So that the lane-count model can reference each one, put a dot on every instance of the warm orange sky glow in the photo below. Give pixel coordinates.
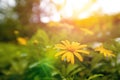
(73, 9)
(78, 9)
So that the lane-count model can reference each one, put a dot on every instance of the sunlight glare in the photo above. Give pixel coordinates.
(58, 1)
(109, 6)
(77, 9)
(45, 19)
(71, 7)
(83, 15)
(84, 8)
(55, 17)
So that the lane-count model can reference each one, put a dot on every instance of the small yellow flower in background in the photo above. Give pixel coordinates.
(105, 52)
(22, 41)
(69, 50)
(16, 32)
(35, 42)
(87, 31)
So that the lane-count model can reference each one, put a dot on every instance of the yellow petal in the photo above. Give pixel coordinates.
(59, 53)
(63, 56)
(112, 55)
(102, 51)
(75, 44)
(66, 42)
(60, 46)
(109, 53)
(68, 56)
(83, 51)
(78, 56)
(99, 48)
(72, 58)
(82, 46)
(105, 54)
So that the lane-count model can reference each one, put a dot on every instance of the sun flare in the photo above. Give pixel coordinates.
(56, 10)
(74, 8)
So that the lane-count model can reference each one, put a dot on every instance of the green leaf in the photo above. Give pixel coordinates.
(39, 71)
(95, 76)
(96, 59)
(76, 71)
(71, 68)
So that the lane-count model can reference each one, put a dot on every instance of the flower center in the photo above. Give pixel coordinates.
(71, 49)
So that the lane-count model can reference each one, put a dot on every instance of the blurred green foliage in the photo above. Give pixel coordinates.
(36, 61)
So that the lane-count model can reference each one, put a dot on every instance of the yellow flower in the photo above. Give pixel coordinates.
(87, 31)
(22, 41)
(69, 50)
(105, 52)
(16, 32)
(35, 42)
